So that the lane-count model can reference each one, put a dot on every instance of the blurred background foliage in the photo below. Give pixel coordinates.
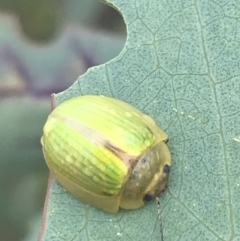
(41, 20)
(44, 46)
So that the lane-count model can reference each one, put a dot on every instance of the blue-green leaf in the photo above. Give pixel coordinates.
(181, 65)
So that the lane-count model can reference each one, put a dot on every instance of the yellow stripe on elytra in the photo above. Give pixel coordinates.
(126, 129)
(108, 172)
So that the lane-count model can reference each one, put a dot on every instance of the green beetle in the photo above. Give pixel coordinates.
(106, 153)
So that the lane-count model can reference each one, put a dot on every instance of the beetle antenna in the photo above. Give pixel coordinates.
(159, 218)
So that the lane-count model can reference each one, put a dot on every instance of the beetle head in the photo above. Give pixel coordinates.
(148, 178)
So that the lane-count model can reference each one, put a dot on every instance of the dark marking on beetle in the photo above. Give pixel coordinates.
(134, 175)
(97, 138)
(149, 129)
(107, 194)
(133, 162)
(148, 197)
(166, 169)
(144, 159)
(128, 159)
(115, 150)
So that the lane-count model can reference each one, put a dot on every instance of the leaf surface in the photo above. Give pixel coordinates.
(180, 65)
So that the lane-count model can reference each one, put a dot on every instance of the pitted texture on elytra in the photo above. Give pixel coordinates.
(124, 128)
(75, 158)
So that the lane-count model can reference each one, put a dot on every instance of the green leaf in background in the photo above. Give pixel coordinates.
(181, 65)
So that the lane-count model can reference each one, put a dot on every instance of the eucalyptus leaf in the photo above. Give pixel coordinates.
(180, 64)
